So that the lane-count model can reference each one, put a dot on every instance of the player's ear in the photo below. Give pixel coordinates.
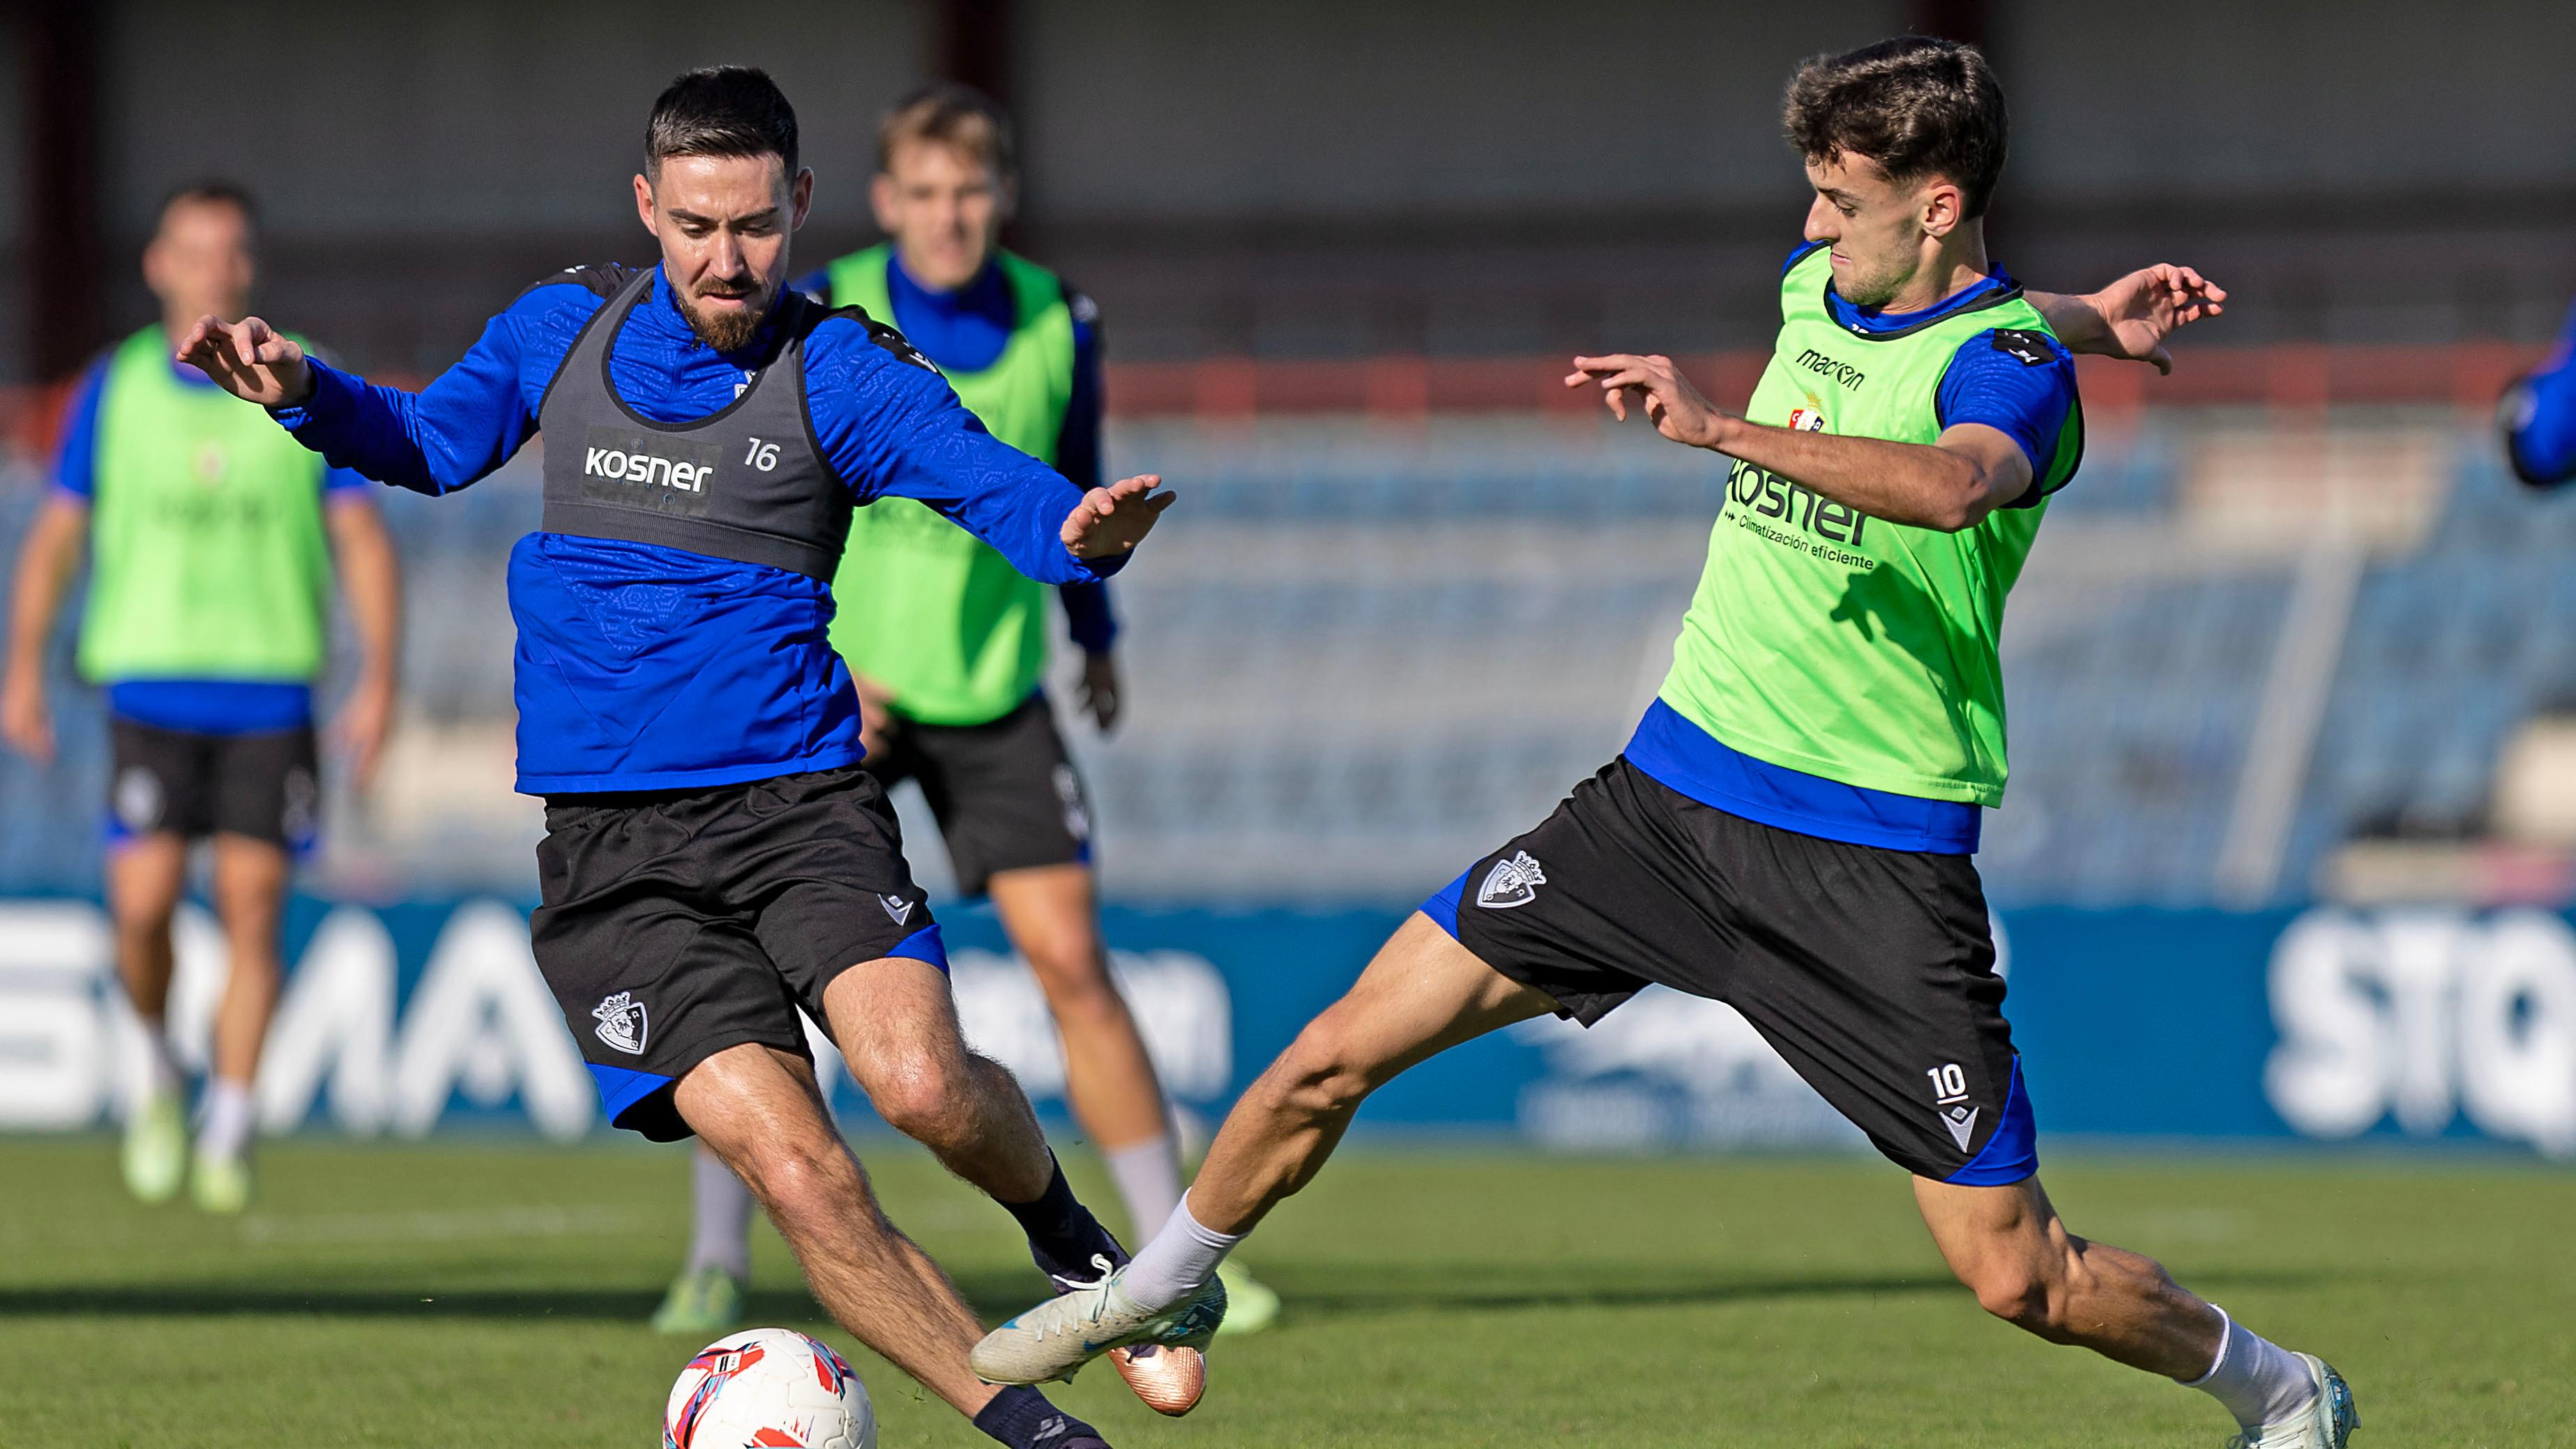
(1943, 209)
(800, 198)
(644, 203)
(1006, 198)
(883, 199)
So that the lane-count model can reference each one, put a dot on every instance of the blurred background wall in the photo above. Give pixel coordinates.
(1328, 179)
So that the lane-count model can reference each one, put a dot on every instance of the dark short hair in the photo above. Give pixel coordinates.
(949, 114)
(1918, 107)
(210, 191)
(723, 110)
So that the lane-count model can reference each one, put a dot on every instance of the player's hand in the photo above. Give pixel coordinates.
(2142, 309)
(1652, 383)
(1109, 521)
(876, 713)
(1100, 689)
(359, 733)
(24, 718)
(249, 359)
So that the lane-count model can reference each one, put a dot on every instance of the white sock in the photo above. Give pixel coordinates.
(2258, 1381)
(1178, 1263)
(1149, 1180)
(722, 1208)
(225, 1122)
(160, 1069)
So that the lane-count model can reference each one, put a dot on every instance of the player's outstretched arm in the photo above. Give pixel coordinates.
(467, 422)
(2131, 318)
(889, 425)
(1949, 485)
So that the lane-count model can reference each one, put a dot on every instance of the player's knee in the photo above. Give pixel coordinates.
(918, 1093)
(1070, 971)
(1321, 1075)
(797, 1182)
(2021, 1295)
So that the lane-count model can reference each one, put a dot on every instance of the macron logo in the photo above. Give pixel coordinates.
(647, 469)
(652, 471)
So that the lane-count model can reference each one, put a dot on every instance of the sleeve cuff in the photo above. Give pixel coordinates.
(331, 389)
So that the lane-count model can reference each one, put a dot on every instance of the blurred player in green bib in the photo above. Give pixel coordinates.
(1791, 829)
(947, 643)
(212, 537)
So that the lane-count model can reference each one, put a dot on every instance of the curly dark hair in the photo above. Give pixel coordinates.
(1915, 106)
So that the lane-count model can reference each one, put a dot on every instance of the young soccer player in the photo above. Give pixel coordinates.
(947, 644)
(1790, 829)
(213, 541)
(714, 858)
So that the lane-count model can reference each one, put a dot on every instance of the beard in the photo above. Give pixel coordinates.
(730, 329)
(1875, 286)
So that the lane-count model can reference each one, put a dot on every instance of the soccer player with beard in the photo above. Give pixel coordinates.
(715, 858)
(947, 643)
(1791, 828)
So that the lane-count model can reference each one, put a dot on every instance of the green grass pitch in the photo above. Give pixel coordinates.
(486, 1294)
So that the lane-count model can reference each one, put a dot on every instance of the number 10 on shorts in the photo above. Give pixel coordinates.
(1949, 1083)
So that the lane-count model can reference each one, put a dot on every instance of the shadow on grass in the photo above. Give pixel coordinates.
(994, 1296)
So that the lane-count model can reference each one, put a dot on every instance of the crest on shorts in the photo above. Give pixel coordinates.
(1510, 883)
(621, 1022)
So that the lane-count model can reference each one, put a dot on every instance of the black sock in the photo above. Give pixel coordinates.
(1063, 1235)
(1023, 1419)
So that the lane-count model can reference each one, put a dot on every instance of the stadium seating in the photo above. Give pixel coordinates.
(1364, 653)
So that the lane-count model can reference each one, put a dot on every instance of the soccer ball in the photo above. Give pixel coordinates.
(768, 1388)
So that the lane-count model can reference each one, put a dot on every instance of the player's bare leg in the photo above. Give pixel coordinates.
(758, 1109)
(250, 899)
(2008, 1245)
(1423, 994)
(145, 876)
(897, 1027)
(1050, 914)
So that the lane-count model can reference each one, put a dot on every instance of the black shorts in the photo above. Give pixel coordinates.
(265, 786)
(1870, 971)
(678, 923)
(1005, 793)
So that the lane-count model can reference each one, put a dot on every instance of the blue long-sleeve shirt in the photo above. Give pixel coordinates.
(966, 331)
(640, 667)
(2540, 416)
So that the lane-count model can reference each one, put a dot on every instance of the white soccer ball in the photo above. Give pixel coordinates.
(768, 1388)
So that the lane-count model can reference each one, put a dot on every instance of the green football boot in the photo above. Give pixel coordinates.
(221, 1185)
(1250, 1304)
(155, 1157)
(702, 1303)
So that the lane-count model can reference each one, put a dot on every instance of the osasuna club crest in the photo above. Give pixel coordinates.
(1510, 883)
(621, 1022)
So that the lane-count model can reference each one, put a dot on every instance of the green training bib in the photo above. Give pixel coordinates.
(927, 609)
(1847, 646)
(208, 558)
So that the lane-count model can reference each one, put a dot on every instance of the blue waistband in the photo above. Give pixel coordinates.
(1679, 754)
(213, 706)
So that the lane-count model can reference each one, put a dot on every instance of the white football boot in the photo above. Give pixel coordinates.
(1059, 1336)
(2326, 1423)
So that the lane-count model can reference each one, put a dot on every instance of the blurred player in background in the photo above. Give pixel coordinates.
(212, 539)
(947, 643)
(715, 860)
(2539, 416)
(1791, 830)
